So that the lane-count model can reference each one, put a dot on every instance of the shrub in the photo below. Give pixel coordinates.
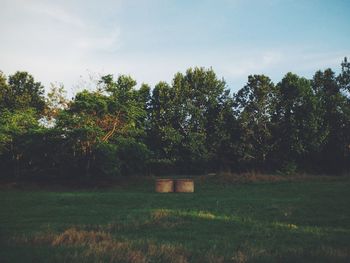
(132, 155)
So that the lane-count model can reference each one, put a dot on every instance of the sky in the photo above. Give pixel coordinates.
(74, 42)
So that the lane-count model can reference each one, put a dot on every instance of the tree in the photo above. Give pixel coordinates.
(15, 127)
(21, 93)
(21, 103)
(335, 120)
(143, 99)
(187, 118)
(95, 120)
(163, 137)
(344, 76)
(192, 125)
(299, 132)
(56, 101)
(204, 101)
(255, 105)
(4, 90)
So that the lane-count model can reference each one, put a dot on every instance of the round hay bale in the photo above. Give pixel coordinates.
(164, 185)
(184, 186)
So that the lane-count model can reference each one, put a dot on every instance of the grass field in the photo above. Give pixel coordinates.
(302, 221)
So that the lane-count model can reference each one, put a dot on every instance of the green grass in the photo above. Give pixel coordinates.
(257, 222)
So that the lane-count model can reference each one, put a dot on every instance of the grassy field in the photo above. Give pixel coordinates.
(301, 221)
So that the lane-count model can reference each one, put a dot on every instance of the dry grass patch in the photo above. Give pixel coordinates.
(254, 177)
(99, 246)
(115, 251)
(331, 253)
(70, 237)
(137, 253)
(73, 236)
(167, 252)
(240, 257)
(210, 257)
(128, 251)
(159, 214)
(328, 254)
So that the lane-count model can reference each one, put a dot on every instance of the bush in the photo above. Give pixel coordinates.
(106, 161)
(132, 155)
(125, 156)
(288, 168)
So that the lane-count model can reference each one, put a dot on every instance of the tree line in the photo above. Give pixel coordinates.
(194, 125)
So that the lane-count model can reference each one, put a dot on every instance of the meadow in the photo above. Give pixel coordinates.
(225, 220)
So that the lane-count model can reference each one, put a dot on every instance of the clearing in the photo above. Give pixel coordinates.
(301, 221)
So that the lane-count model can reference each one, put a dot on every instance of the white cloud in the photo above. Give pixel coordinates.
(57, 13)
(109, 41)
(51, 40)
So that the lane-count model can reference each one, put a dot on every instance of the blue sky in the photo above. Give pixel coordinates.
(75, 41)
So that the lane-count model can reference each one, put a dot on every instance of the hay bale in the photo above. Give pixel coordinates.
(184, 186)
(164, 185)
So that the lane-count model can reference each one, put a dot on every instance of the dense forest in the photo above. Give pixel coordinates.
(194, 125)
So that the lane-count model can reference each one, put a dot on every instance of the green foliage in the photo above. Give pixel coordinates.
(344, 77)
(132, 156)
(125, 156)
(255, 105)
(187, 118)
(193, 125)
(335, 120)
(21, 92)
(14, 125)
(106, 160)
(288, 167)
(16, 131)
(91, 103)
(297, 120)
